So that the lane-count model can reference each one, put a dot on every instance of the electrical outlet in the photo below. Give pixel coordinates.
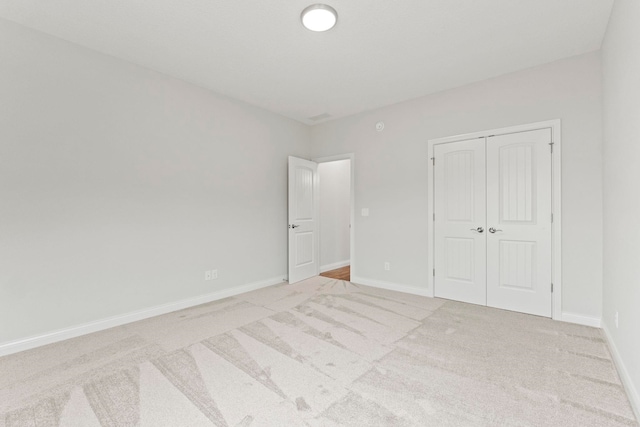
(616, 319)
(214, 274)
(207, 275)
(387, 266)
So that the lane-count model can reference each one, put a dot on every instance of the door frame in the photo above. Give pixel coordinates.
(352, 202)
(556, 205)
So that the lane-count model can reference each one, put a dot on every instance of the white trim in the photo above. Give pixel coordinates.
(556, 239)
(345, 156)
(352, 232)
(407, 289)
(333, 266)
(580, 319)
(22, 344)
(632, 391)
(556, 227)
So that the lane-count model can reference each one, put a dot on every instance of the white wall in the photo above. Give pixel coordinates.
(120, 186)
(621, 70)
(391, 173)
(335, 213)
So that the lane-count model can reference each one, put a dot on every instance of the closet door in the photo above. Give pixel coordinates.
(519, 222)
(460, 218)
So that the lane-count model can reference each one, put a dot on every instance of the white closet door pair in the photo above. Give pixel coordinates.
(493, 221)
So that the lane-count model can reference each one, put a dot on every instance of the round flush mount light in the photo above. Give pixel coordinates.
(319, 17)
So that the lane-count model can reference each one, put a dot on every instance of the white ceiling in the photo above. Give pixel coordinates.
(380, 52)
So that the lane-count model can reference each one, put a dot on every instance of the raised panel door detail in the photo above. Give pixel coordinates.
(303, 219)
(519, 222)
(517, 264)
(459, 173)
(517, 183)
(304, 248)
(460, 208)
(304, 193)
(459, 259)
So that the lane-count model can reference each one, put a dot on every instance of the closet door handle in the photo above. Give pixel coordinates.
(478, 230)
(493, 230)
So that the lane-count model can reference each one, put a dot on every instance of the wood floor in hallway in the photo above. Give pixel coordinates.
(343, 273)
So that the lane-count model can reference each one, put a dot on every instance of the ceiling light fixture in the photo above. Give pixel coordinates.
(319, 17)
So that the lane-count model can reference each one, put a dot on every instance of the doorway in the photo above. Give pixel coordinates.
(492, 235)
(335, 218)
(321, 213)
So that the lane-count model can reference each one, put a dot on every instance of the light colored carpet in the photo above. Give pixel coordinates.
(321, 352)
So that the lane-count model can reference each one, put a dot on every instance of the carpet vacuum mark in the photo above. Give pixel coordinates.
(322, 352)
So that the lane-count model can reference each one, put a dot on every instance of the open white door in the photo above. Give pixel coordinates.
(304, 245)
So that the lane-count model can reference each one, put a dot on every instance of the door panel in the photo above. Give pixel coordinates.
(459, 257)
(519, 209)
(460, 197)
(303, 219)
(304, 248)
(304, 192)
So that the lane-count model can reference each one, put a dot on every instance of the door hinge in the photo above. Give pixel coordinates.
(434, 272)
(434, 216)
(551, 287)
(433, 161)
(551, 145)
(551, 216)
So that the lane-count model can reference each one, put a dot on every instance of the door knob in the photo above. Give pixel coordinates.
(479, 229)
(493, 230)
(294, 226)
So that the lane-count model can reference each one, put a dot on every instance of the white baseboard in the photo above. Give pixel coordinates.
(630, 387)
(333, 266)
(391, 286)
(16, 346)
(580, 319)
